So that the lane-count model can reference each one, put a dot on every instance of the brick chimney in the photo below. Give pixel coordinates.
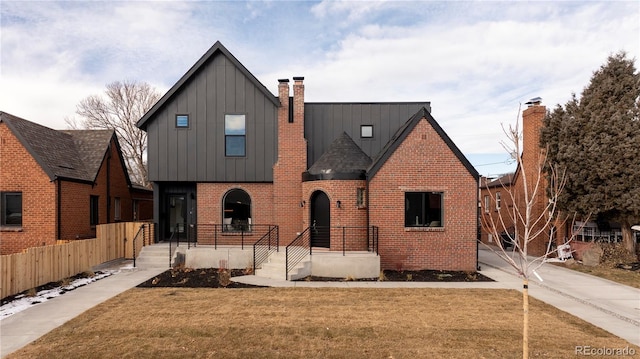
(292, 161)
(533, 159)
(532, 121)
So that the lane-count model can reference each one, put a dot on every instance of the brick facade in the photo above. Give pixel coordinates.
(59, 208)
(19, 172)
(424, 163)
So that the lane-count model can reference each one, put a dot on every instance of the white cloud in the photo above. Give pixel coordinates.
(475, 61)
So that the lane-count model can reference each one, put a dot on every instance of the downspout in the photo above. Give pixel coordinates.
(108, 182)
(59, 207)
(478, 225)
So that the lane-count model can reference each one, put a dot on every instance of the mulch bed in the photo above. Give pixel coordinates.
(413, 276)
(215, 278)
(197, 278)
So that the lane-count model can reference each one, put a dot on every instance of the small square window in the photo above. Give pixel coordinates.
(182, 121)
(366, 131)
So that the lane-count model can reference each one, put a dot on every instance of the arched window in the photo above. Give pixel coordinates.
(236, 214)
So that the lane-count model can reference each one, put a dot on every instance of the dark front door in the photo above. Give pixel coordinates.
(320, 220)
(176, 211)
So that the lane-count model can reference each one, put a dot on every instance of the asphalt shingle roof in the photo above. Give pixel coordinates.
(343, 156)
(71, 154)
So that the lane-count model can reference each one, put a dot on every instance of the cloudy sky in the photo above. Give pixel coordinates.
(476, 62)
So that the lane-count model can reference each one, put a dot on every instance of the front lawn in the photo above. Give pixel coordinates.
(317, 323)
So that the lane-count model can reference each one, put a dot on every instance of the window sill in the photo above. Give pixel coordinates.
(10, 229)
(424, 229)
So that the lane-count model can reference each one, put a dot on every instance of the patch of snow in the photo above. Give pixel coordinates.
(22, 302)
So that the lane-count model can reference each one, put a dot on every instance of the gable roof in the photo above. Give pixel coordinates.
(217, 48)
(402, 134)
(342, 160)
(502, 181)
(71, 154)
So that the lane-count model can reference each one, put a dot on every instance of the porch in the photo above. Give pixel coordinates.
(352, 253)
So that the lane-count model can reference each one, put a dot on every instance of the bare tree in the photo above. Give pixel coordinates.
(119, 108)
(531, 220)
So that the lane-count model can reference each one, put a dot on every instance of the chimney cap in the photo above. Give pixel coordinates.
(298, 78)
(534, 101)
(283, 80)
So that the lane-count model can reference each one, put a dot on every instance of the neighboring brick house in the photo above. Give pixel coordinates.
(512, 185)
(224, 151)
(61, 184)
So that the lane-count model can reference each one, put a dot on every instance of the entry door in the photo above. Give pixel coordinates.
(176, 214)
(320, 220)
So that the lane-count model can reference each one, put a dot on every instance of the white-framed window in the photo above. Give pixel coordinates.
(487, 203)
(360, 197)
(498, 200)
(424, 209)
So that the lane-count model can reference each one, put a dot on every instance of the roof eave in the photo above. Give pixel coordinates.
(217, 47)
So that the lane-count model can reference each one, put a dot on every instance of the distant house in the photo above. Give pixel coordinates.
(61, 184)
(224, 152)
(496, 201)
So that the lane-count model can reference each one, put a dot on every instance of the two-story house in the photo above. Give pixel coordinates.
(224, 152)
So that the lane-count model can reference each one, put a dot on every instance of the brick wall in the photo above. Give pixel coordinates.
(423, 162)
(75, 199)
(348, 215)
(292, 162)
(492, 215)
(210, 202)
(19, 172)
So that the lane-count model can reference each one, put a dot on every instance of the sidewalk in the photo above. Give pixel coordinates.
(609, 305)
(28, 325)
(606, 304)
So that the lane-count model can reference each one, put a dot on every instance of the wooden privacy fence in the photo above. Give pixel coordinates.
(40, 265)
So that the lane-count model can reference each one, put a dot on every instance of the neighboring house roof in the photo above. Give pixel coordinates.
(342, 160)
(217, 48)
(70, 154)
(504, 180)
(402, 134)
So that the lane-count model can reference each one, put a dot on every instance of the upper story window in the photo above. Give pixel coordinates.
(423, 209)
(498, 200)
(11, 209)
(487, 203)
(366, 131)
(235, 141)
(182, 121)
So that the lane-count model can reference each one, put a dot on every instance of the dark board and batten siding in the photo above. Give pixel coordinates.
(324, 122)
(197, 153)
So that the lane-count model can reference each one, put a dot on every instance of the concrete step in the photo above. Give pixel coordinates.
(154, 256)
(275, 268)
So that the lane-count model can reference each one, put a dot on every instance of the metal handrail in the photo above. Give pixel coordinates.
(263, 248)
(226, 234)
(296, 251)
(171, 240)
(141, 229)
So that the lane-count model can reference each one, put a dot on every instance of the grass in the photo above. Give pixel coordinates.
(622, 276)
(317, 323)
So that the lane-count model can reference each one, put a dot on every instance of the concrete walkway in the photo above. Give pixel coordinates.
(609, 305)
(606, 304)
